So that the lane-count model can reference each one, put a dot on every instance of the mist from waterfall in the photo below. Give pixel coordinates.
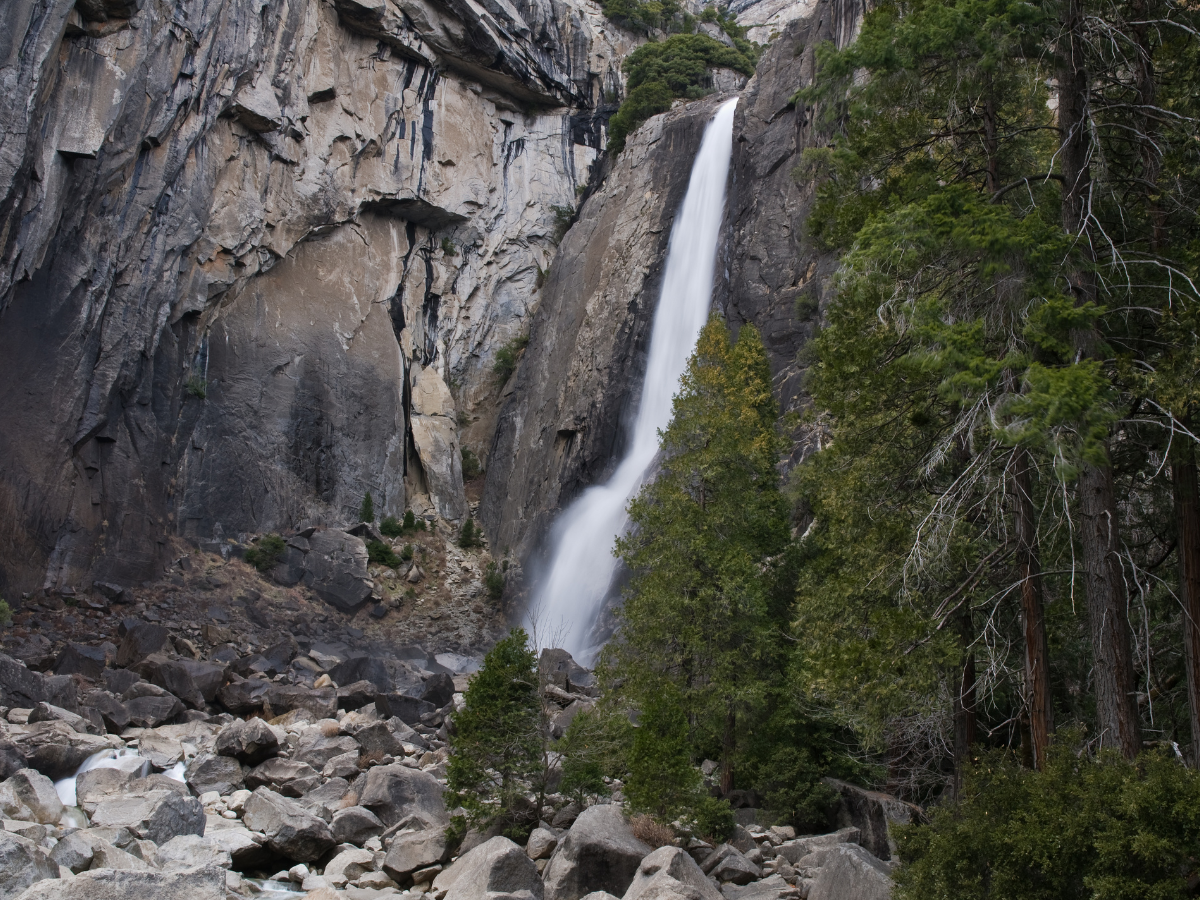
(582, 564)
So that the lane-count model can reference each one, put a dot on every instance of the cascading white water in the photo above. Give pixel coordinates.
(582, 564)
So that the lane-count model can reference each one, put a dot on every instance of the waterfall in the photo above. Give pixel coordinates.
(581, 566)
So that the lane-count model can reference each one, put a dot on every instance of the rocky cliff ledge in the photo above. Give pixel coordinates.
(239, 240)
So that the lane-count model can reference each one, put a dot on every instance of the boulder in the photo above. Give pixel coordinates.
(327, 799)
(378, 741)
(439, 689)
(152, 710)
(600, 852)
(95, 786)
(187, 851)
(19, 686)
(497, 868)
(162, 750)
(22, 863)
(172, 676)
(30, 796)
(277, 773)
(57, 750)
(407, 709)
(772, 888)
(733, 867)
(555, 666)
(852, 873)
(321, 702)
(118, 681)
(244, 847)
(139, 642)
(798, 848)
(280, 654)
(290, 831)
(208, 677)
(348, 865)
(362, 668)
(12, 760)
(207, 772)
(335, 568)
(659, 874)
(243, 696)
(872, 813)
(48, 712)
(115, 884)
(156, 816)
(250, 742)
(112, 711)
(415, 850)
(541, 843)
(354, 825)
(396, 792)
(320, 750)
(80, 659)
(356, 695)
(76, 850)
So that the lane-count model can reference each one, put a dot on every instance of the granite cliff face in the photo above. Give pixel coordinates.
(561, 428)
(247, 248)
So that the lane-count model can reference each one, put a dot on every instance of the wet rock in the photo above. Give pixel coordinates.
(495, 868)
(207, 772)
(56, 749)
(670, 872)
(22, 863)
(852, 873)
(290, 830)
(415, 850)
(250, 742)
(29, 795)
(396, 792)
(48, 712)
(95, 786)
(598, 853)
(873, 813)
(154, 816)
(139, 642)
(114, 884)
(80, 659)
(354, 825)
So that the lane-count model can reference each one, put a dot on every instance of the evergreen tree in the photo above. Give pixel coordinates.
(367, 512)
(497, 742)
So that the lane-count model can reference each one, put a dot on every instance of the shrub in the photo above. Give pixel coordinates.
(267, 553)
(508, 356)
(197, 387)
(1081, 828)
(641, 15)
(493, 581)
(564, 217)
(410, 521)
(712, 818)
(389, 527)
(595, 744)
(661, 71)
(381, 554)
(470, 536)
(5, 613)
(366, 512)
(471, 467)
(407, 553)
(650, 832)
(448, 247)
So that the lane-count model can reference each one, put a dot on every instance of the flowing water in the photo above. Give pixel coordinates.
(581, 567)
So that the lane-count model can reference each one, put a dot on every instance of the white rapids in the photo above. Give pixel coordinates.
(582, 564)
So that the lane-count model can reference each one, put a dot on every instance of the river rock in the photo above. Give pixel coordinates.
(156, 815)
(852, 873)
(290, 830)
(30, 796)
(598, 853)
(496, 868)
(56, 749)
(114, 884)
(22, 863)
(250, 742)
(396, 792)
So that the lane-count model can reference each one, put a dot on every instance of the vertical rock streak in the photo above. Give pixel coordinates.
(582, 564)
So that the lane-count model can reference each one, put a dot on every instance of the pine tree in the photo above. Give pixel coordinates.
(367, 512)
(703, 612)
(497, 743)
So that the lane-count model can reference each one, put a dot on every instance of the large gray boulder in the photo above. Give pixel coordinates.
(396, 792)
(354, 825)
(599, 853)
(57, 750)
(12, 760)
(415, 850)
(139, 642)
(290, 830)
(873, 813)
(19, 686)
(21, 864)
(116, 884)
(852, 873)
(798, 848)
(495, 870)
(188, 851)
(222, 774)
(30, 796)
(668, 872)
(249, 742)
(154, 816)
(335, 567)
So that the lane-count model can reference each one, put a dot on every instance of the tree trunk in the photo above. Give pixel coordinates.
(1187, 517)
(730, 743)
(1112, 658)
(964, 701)
(1033, 620)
